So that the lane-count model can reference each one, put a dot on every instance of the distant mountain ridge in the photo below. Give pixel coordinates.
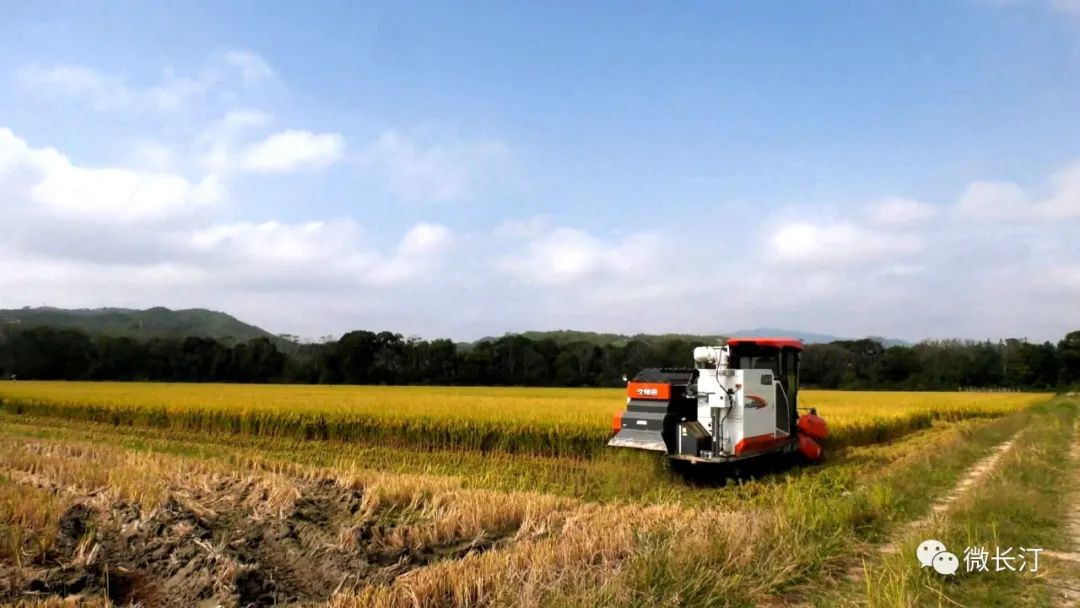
(806, 337)
(810, 338)
(564, 336)
(158, 322)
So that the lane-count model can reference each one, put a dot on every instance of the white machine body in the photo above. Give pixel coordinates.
(738, 401)
(734, 405)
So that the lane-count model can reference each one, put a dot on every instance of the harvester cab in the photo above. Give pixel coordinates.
(739, 401)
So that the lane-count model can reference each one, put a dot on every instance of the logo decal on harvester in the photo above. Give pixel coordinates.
(647, 392)
(753, 401)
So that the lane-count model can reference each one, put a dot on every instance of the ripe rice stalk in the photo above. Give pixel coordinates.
(530, 421)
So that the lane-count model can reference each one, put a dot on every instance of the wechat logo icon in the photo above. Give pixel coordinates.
(932, 554)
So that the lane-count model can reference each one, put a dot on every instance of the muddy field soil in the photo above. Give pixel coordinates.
(190, 552)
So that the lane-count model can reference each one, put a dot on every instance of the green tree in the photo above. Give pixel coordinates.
(1069, 352)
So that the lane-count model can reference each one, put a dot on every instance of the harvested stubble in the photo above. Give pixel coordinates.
(424, 541)
(536, 421)
(427, 541)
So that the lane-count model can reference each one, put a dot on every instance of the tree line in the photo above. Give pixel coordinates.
(364, 357)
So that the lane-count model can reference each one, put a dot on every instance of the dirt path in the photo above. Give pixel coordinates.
(978, 472)
(853, 567)
(1066, 585)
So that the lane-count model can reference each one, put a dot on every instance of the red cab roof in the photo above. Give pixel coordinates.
(769, 342)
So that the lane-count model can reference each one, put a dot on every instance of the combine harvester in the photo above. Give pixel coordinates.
(738, 403)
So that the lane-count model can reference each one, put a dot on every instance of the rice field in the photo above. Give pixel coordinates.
(537, 421)
(117, 494)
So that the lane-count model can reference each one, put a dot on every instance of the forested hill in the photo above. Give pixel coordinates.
(142, 324)
(160, 322)
(47, 352)
(205, 346)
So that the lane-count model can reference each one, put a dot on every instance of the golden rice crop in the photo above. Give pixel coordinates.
(541, 421)
(865, 417)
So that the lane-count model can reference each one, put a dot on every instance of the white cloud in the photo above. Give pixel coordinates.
(1000, 200)
(175, 93)
(993, 200)
(419, 253)
(900, 212)
(424, 239)
(104, 92)
(839, 244)
(291, 150)
(1065, 277)
(80, 278)
(172, 92)
(329, 253)
(1062, 278)
(902, 270)
(275, 242)
(1002, 253)
(253, 68)
(888, 267)
(152, 156)
(570, 255)
(531, 228)
(216, 143)
(43, 179)
(1064, 203)
(438, 173)
(237, 121)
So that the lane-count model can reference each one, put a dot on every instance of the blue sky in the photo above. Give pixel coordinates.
(898, 168)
